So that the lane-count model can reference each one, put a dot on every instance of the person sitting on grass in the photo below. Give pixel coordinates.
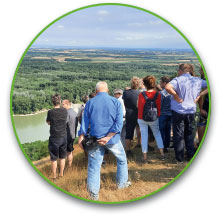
(57, 144)
(71, 130)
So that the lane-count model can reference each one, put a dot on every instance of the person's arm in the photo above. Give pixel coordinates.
(169, 89)
(80, 139)
(84, 125)
(48, 119)
(158, 103)
(202, 93)
(104, 140)
(201, 101)
(124, 110)
(138, 100)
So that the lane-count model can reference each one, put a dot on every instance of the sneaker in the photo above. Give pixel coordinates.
(126, 185)
(145, 161)
(162, 158)
(94, 198)
(103, 163)
(179, 162)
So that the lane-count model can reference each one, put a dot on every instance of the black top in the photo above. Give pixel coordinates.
(130, 98)
(206, 103)
(57, 118)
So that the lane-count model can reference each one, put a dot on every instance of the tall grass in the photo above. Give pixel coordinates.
(145, 178)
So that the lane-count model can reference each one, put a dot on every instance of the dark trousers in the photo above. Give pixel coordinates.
(183, 126)
(165, 129)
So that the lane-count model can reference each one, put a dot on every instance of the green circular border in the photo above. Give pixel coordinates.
(12, 87)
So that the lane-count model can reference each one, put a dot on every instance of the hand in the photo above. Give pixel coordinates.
(80, 139)
(203, 112)
(197, 99)
(177, 98)
(103, 141)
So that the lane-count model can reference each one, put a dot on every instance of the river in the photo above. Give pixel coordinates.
(32, 128)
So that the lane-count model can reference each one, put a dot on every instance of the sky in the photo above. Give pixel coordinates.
(111, 26)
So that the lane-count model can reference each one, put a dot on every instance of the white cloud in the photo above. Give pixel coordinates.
(60, 26)
(158, 22)
(42, 39)
(103, 12)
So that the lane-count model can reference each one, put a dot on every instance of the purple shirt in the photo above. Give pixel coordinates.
(188, 88)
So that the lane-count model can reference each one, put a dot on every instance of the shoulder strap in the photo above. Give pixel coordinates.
(155, 96)
(145, 95)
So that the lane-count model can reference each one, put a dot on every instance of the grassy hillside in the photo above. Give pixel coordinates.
(145, 178)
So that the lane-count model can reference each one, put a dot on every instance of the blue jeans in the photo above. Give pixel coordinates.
(95, 158)
(165, 129)
(144, 134)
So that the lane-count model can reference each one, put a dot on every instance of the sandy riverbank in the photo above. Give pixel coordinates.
(34, 113)
(76, 108)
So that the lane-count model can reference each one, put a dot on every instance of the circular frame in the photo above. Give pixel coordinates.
(20, 61)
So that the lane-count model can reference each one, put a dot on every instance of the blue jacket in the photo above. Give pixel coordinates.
(104, 115)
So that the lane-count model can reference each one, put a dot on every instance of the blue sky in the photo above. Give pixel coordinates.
(111, 26)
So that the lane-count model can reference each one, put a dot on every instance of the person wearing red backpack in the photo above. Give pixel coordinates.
(149, 104)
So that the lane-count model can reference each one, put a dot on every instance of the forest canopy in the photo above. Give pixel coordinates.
(75, 72)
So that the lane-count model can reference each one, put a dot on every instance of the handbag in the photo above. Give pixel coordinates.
(89, 143)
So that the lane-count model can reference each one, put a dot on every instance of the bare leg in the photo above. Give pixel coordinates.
(161, 151)
(128, 144)
(138, 135)
(70, 159)
(201, 131)
(62, 164)
(54, 168)
(144, 156)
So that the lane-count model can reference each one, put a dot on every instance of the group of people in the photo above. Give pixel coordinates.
(112, 121)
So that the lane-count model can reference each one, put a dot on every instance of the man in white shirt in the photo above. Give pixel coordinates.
(118, 95)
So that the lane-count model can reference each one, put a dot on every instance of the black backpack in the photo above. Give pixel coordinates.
(150, 108)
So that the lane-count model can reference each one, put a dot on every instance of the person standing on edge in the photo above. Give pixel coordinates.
(71, 130)
(57, 144)
(203, 101)
(152, 95)
(130, 97)
(118, 95)
(104, 115)
(184, 90)
(166, 115)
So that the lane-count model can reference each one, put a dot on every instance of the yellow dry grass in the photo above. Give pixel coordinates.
(145, 178)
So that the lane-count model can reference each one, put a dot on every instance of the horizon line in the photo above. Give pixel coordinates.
(103, 47)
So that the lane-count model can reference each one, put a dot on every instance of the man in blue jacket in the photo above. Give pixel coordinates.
(104, 115)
